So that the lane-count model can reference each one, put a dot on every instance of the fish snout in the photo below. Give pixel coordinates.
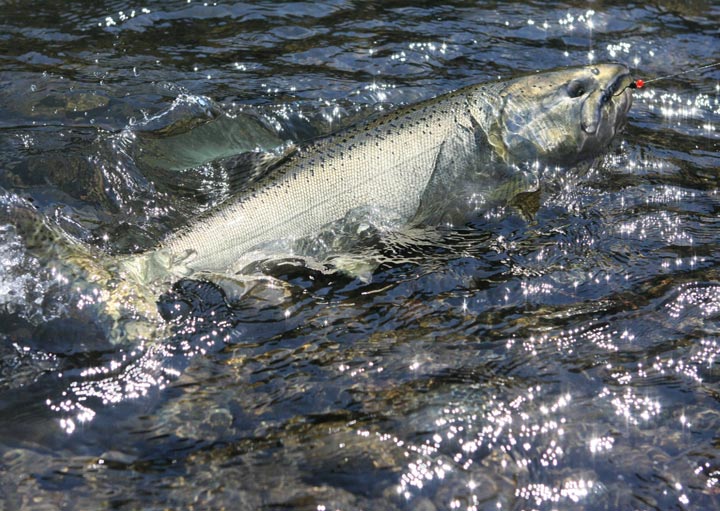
(605, 109)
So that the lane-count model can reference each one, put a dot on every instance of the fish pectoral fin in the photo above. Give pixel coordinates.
(527, 203)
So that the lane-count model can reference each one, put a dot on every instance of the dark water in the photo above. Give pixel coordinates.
(564, 359)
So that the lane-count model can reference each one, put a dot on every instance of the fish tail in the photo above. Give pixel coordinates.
(120, 302)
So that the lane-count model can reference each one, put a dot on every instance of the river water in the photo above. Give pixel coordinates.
(561, 358)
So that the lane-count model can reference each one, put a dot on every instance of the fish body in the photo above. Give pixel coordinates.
(385, 165)
(467, 142)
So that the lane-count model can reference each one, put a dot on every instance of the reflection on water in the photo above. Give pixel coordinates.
(560, 354)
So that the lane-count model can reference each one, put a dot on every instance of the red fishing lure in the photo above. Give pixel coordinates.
(639, 84)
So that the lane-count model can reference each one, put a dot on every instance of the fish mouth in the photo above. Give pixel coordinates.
(620, 93)
(608, 107)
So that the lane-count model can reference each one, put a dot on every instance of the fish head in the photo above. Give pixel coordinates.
(562, 116)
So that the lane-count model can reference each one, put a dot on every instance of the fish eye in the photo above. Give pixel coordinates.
(576, 88)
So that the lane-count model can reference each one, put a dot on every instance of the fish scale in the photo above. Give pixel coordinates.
(386, 166)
